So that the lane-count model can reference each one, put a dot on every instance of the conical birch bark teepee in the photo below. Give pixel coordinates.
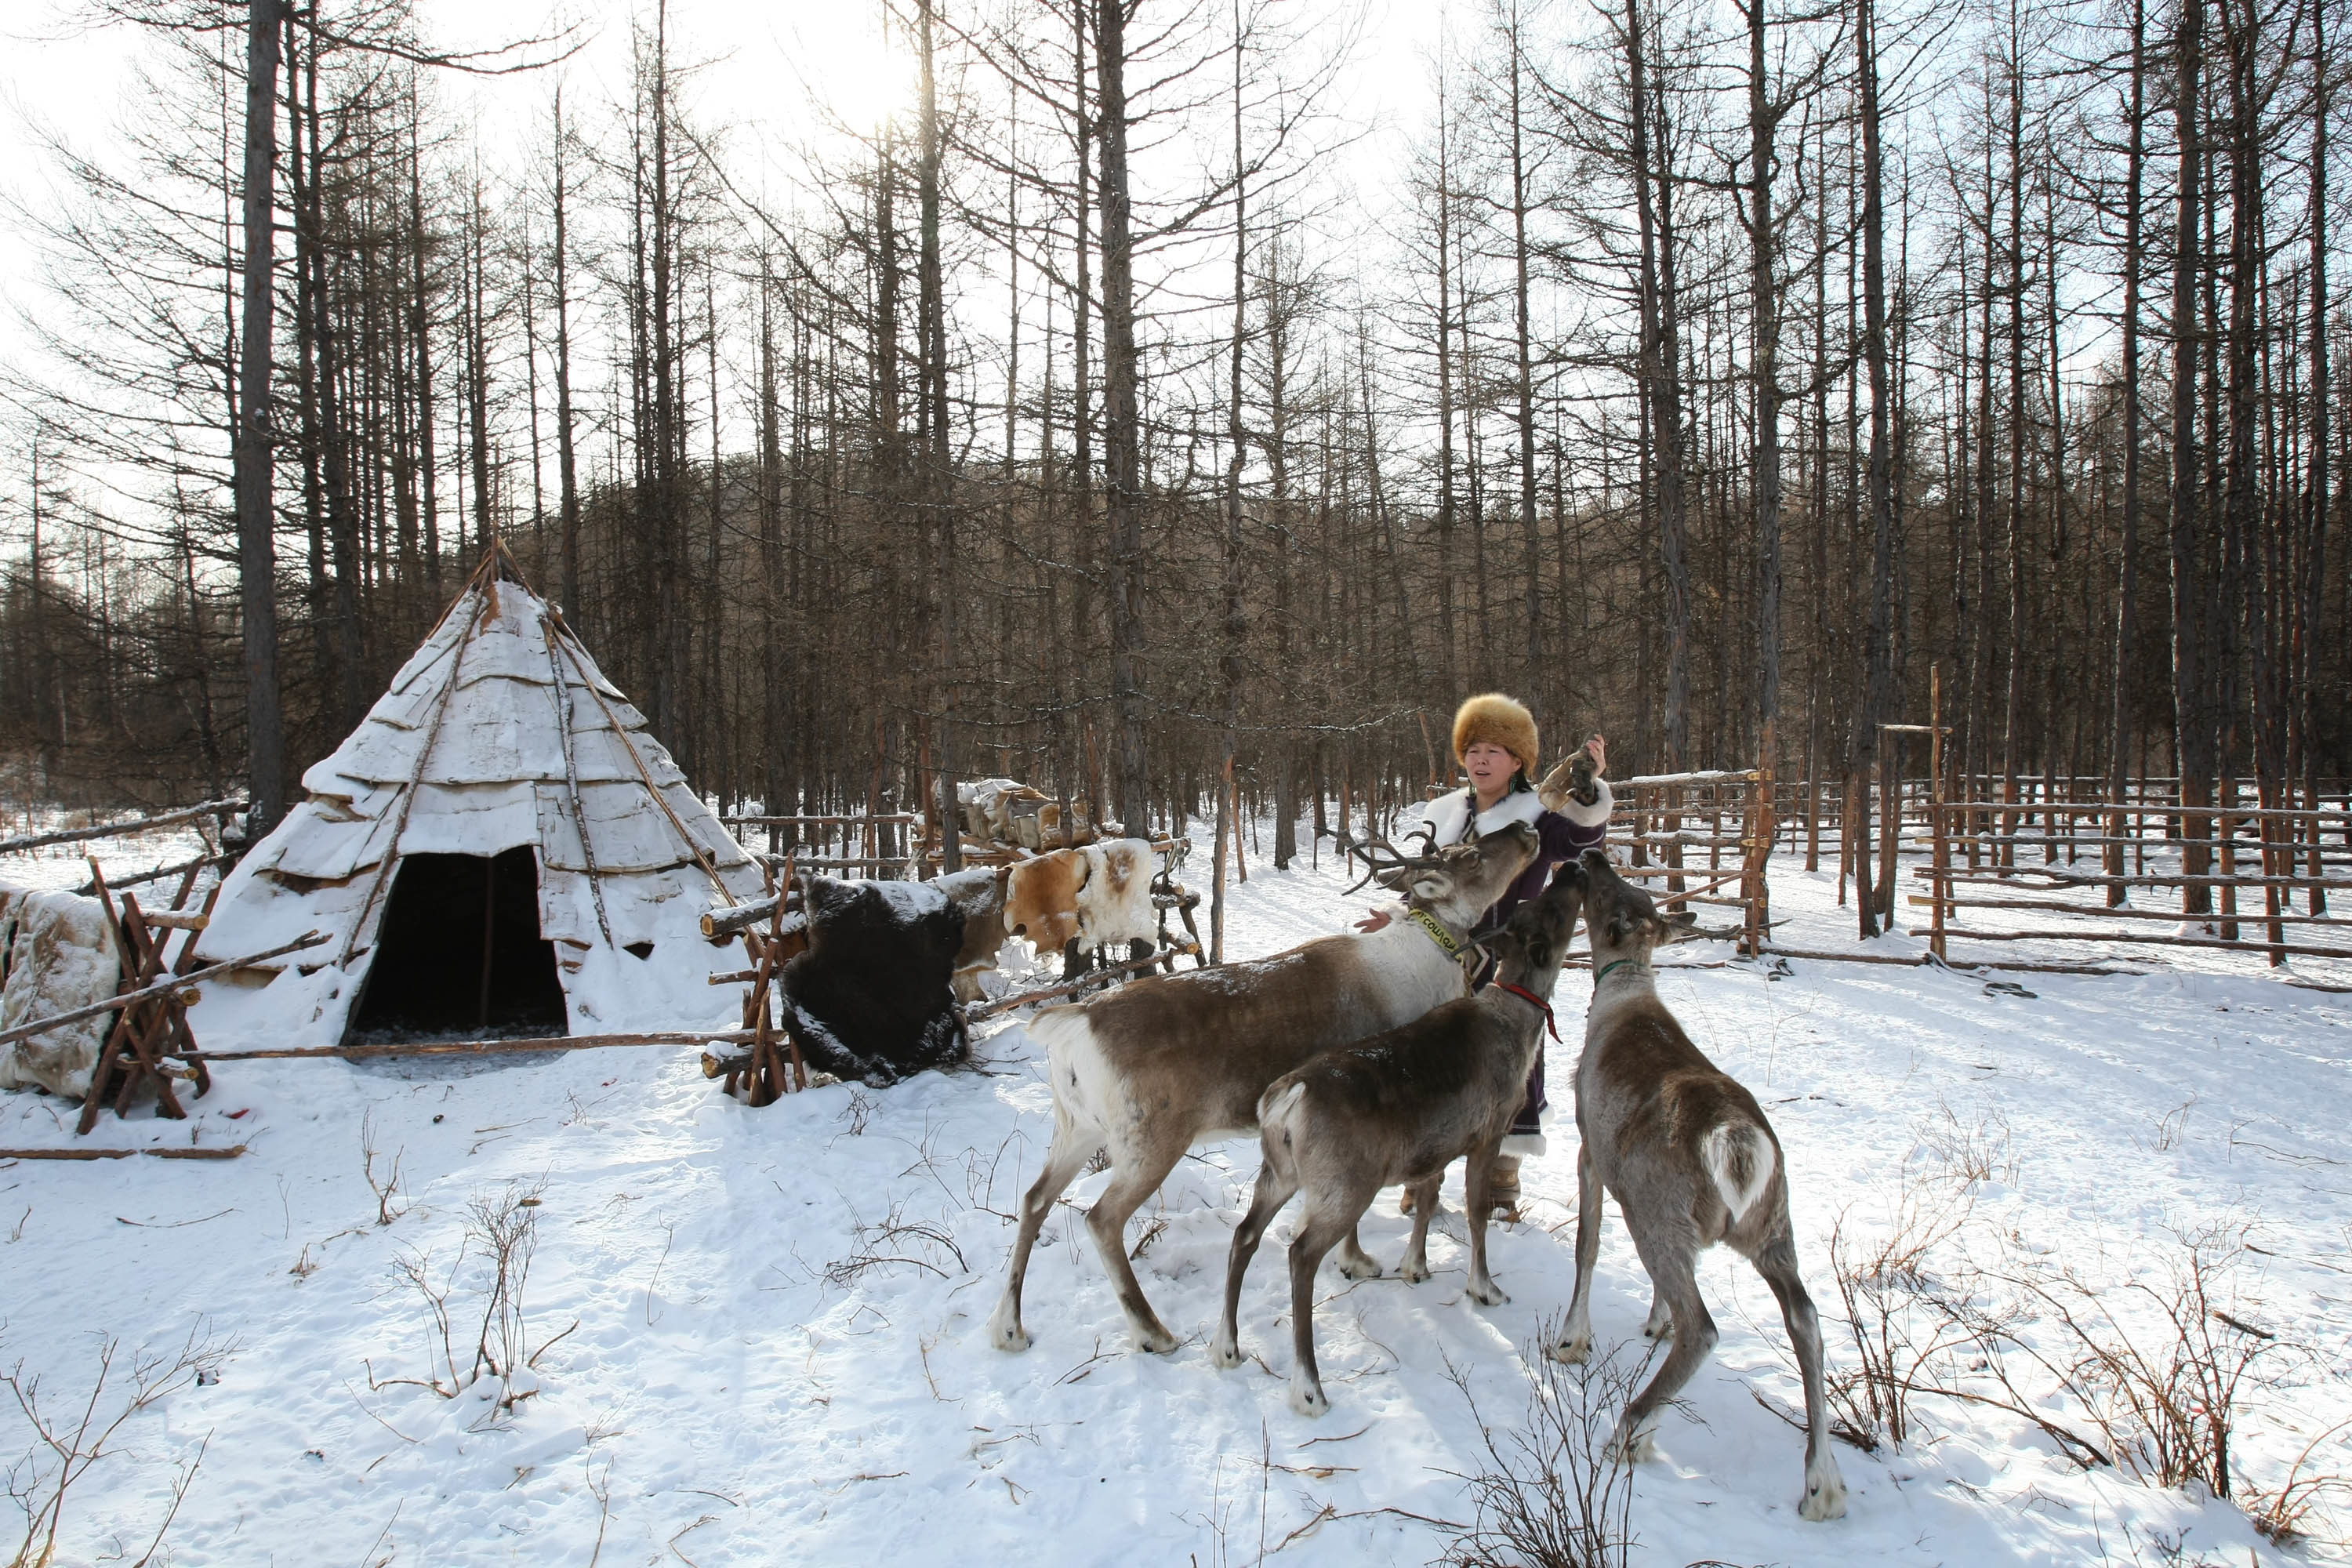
(498, 743)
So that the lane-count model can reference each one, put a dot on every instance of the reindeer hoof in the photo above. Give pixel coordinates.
(1413, 1270)
(1225, 1353)
(1491, 1296)
(1629, 1449)
(1005, 1332)
(1155, 1340)
(1824, 1492)
(1573, 1350)
(1362, 1267)
(1306, 1398)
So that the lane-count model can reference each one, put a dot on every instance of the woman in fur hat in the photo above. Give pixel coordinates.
(1494, 740)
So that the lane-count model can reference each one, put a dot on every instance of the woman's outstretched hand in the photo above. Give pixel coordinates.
(1374, 919)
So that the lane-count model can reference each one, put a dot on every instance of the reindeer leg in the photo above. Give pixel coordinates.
(1107, 1220)
(1671, 1265)
(1477, 1178)
(1415, 1267)
(1273, 1191)
(1575, 1342)
(1660, 1324)
(1824, 1486)
(1317, 1234)
(1070, 1152)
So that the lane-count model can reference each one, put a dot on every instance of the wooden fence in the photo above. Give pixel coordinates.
(1675, 820)
(1994, 863)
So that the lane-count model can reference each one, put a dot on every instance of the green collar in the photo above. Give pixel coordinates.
(1447, 942)
(1606, 969)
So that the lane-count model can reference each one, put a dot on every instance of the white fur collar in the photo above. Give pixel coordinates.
(1449, 814)
(1591, 816)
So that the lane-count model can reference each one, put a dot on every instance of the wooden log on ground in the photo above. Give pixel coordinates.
(2107, 912)
(231, 1152)
(2151, 939)
(1006, 1004)
(1927, 961)
(185, 983)
(487, 1048)
(67, 1153)
(116, 829)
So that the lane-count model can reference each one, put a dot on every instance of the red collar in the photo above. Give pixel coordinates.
(1540, 1006)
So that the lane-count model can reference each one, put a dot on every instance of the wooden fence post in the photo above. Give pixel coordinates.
(1939, 874)
(1890, 823)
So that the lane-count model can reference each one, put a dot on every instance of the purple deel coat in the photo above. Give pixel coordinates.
(1562, 838)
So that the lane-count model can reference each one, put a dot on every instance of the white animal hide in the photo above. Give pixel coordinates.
(62, 955)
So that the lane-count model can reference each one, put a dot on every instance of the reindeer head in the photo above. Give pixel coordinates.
(1622, 918)
(1576, 778)
(1532, 943)
(1457, 884)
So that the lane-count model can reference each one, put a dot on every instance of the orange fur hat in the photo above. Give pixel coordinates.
(1503, 720)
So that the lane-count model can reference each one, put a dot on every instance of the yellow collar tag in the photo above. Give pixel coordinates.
(1445, 940)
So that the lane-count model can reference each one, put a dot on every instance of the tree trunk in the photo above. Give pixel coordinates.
(2315, 515)
(1763, 117)
(931, 328)
(1538, 672)
(257, 520)
(1877, 691)
(567, 473)
(2127, 587)
(1661, 374)
(2192, 715)
(1121, 432)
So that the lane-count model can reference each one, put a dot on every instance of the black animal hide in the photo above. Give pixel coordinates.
(870, 999)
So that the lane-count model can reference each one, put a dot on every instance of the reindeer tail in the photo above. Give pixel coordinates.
(1280, 1128)
(1738, 1155)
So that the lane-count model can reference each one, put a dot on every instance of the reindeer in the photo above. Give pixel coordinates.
(1170, 1061)
(1691, 1160)
(1399, 1107)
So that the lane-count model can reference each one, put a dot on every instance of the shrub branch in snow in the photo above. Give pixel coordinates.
(386, 1184)
(2167, 1394)
(67, 1443)
(1549, 1495)
(502, 1234)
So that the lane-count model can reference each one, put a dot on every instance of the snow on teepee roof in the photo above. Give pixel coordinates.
(500, 732)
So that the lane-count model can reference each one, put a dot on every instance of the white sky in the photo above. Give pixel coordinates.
(765, 63)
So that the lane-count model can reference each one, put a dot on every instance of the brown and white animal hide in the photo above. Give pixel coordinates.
(1097, 897)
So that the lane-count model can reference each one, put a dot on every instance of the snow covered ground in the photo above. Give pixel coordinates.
(763, 1331)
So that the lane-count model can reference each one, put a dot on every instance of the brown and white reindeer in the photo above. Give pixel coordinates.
(1399, 1107)
(1170, 1061)
(1691, 1160)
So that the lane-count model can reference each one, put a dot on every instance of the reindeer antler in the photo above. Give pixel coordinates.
(1398, 860)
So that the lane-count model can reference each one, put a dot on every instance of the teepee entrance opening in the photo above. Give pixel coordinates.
(460, 950)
